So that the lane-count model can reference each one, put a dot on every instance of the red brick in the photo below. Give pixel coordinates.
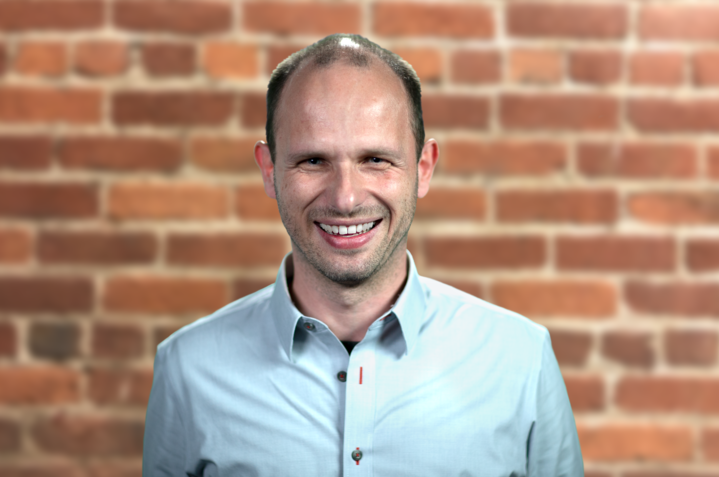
(451, 20)
(485, 252)
(134, 200)
(187, 17)
(702, 255)
(560, 298)
(169, 59)
(452, 203)
(691, 347)
(277, 54)
(96, 247)
(630, 348)
(21, 104)
(475, 66)
(114, 469)
(657, 68)
(45, 294)
(162, 333)
(679, 22)
(121, 153)
(224, 59)
(571, 347)
(668, 394)
(599, 67)
(18, 15)
(455, 111)
(574, 206)
(15, 246)
(563, 20)
(713, 163)
(427, 62)
(109, 386)
(83, 435)
(54, 340)
(705, 66)
(41, 58)
(45, 200)
(226, 250)
(535, 66)
(246, 286)
(253, 110)
(710, 444)
(101, 58)
(569, 112)
(25, 385)
(252, 203)
(661, 114)
(8, 340)
(675, 207)
(615, 442)
(155, 294)
(9, 437)
(172, 108)
(503, 157)
(223, 154)
(50, 469)
(586, 393)
(638, 160)
(282, 18)
(116, 341)
(3, 59)
(675, 298)
(25, 152)
(616, 253)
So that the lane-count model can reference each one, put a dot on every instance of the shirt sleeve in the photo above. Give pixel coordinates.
(164, 443)
(553, 445)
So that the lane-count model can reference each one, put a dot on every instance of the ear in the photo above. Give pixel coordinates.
(425, 166)
(267, 167)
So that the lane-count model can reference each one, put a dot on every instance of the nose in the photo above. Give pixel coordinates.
(346, 189)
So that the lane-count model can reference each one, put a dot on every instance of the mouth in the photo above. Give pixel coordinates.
(354, 230)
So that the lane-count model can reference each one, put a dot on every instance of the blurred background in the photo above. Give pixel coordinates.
(578, 185)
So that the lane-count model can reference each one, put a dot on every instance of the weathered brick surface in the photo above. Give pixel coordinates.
(120, 153)
(490, 252)
(577, 184)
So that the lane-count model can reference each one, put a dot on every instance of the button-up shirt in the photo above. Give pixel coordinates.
(443, 384)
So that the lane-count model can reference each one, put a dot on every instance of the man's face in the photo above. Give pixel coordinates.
(345, 171)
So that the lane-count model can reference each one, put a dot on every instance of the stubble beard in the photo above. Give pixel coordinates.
(347, 276)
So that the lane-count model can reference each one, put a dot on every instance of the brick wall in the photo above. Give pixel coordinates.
(578, 184)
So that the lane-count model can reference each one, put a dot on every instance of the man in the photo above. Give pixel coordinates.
(352, 364)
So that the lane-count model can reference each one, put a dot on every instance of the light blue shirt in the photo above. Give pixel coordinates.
(444, 384)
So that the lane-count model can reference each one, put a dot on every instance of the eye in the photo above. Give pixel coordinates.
(376, 160)
(314, 161)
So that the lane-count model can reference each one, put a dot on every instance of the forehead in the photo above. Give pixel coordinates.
(344, 99)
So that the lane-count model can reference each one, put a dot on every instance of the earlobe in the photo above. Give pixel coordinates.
(263, 158)
(425, 166)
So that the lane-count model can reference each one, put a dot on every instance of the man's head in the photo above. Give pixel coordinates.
(344, 165)
(352, 49)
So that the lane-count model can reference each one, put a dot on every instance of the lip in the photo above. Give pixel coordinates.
(347, 243)
(346, 222)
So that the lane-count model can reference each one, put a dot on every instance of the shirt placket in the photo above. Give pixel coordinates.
(360, 402)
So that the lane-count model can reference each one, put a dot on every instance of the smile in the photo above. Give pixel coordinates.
(347, 230)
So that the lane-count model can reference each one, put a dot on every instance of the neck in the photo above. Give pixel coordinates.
(348, 311)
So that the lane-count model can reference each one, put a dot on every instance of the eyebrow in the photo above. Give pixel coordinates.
(390, 153)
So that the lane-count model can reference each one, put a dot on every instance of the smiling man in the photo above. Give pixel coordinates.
(351, 363)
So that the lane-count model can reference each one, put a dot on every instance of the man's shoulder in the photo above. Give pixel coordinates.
(203, 332)
(468, 311)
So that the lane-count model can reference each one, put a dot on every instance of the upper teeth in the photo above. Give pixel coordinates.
(347, 230)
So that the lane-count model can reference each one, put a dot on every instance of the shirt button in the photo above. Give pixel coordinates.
(342, 376)
(309, 326)
(356, 455)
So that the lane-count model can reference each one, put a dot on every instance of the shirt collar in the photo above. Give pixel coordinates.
(409, 308)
